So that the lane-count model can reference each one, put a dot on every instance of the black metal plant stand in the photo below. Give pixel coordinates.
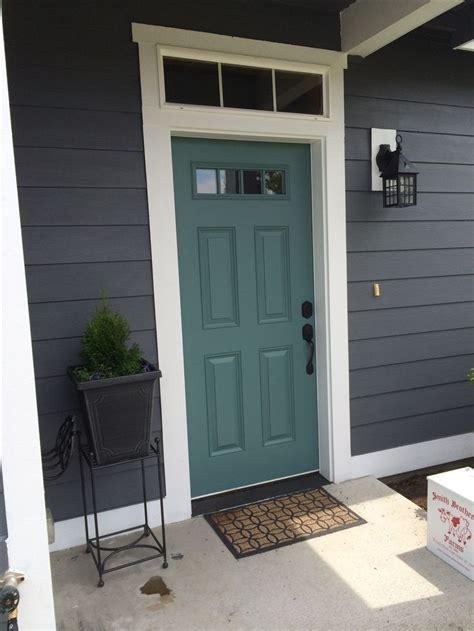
(93, 544)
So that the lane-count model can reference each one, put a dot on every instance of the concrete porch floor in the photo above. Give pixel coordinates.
(374, 576)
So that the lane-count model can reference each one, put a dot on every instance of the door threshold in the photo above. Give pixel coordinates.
(256, 493)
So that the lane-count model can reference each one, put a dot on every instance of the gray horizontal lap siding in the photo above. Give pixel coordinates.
(411, 348)
(82, 190)
(75, 96)
(76, 115)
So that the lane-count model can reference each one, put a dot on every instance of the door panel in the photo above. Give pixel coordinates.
(277, 394)
(272, 263)
(218, 271)
(245, 263)
(224, 403)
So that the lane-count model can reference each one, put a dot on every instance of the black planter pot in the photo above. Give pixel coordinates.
(117, 414)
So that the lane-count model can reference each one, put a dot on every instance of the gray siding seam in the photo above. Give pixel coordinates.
(32, 265)
(73, 109)
(463, 247)
(429, 304)
(413, 361)
(355, 282)
(78, 337)
(384, 337)
(385, 221)
(411, 131)
(96, 298)
(80, 188)
(438, 304)
(409, 389)
(78, 109)
(392, 99)
(81, 225)
(410, 362)
(101, 188)
(402, 418)
(420, 193)
(364, 190)
(69, 148)
(415, 162)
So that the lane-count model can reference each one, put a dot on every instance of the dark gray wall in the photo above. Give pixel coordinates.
(75, 96)
(411, 348)
(77, 130)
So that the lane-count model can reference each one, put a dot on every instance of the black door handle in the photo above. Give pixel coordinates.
(308, 334)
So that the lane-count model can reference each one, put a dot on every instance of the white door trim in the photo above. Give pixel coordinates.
(326, 139)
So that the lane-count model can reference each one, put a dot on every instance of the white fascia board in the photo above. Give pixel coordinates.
(368, 25)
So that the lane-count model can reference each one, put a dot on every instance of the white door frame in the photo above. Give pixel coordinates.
(325, 135)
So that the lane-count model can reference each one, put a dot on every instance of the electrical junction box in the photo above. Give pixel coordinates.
(451, 518)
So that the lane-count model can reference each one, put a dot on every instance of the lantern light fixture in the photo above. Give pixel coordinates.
(399, 177)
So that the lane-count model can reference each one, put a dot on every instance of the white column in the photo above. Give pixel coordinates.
(21, 456)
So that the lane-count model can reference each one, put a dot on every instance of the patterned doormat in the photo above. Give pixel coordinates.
(281, 521)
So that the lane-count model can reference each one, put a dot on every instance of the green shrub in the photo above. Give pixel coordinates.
(105, 349)
(470, 375)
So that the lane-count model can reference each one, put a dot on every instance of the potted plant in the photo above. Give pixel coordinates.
(116, 387)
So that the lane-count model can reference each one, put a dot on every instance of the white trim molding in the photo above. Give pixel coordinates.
(27, 542)
(412, 457)
(325, 136)
(368, 25)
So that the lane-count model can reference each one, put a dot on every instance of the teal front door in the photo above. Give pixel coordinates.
(243, 214)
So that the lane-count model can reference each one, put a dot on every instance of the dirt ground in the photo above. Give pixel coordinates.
(413, 484)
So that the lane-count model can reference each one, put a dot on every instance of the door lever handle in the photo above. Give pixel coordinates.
(308, 335)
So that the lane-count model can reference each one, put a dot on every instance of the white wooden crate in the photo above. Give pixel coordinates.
(451, 518)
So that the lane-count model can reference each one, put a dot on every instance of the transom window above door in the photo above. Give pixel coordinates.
(204, 82)
(210, 180)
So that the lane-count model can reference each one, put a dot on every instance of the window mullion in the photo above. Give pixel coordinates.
(274, 90)
(221, 88)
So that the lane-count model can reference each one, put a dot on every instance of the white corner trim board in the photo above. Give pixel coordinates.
(20, 458)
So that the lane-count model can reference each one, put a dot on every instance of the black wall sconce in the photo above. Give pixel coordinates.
(398, 177)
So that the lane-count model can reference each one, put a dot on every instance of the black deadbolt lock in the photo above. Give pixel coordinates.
(307, 309)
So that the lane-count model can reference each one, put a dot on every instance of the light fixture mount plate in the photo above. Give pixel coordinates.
(380, 137)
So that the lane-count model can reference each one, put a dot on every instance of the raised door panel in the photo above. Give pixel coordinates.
(224, 403)
(218, 272)
(272, 263)
(277, 395)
